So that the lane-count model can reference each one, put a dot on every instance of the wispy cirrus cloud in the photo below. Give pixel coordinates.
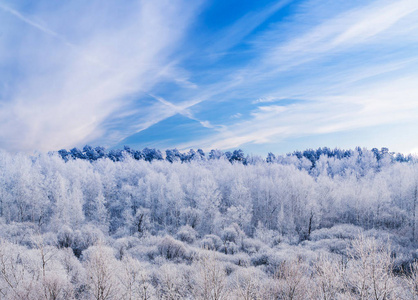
(236, 32)
(76, 66)
(98, 73)
(354, 70)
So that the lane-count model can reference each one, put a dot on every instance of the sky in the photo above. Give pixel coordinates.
(263, 76)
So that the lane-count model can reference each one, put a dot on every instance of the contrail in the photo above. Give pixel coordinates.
(34, 24)
(183, 110)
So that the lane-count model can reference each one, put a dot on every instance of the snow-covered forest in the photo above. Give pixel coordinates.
(317, 224)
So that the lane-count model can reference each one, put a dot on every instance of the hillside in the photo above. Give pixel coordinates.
(311, 224)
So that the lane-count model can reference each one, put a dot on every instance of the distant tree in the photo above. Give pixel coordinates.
(189, 156)
(201, 153)
(298, 154)
(173, 155)
(137, 154)
(100, 152)
(152, 154)
(376, 153)
(90, 153)
(238, 156)
(65, 155)
(228, 155)
(270, 158)
(115, 155)
(76, 153)
(215, 154)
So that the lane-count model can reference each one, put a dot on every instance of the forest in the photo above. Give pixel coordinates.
(140, 224)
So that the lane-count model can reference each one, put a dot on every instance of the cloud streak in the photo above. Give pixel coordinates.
(340, 96)
(61, 97)
(99, 73)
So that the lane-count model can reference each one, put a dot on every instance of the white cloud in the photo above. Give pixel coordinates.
(236, 116)
(390, 103)
(79, 67)
(344, 97)
(83, 71)
(375, 20)
(267, 99)
(373, 23)
(243, 27)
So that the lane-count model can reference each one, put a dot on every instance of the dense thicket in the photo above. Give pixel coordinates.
(125, 226)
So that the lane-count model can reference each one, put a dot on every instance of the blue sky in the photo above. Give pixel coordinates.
(258, 75)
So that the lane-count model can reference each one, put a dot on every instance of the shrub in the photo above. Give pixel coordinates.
(187, 234)
(170, 248)
(211, 242)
